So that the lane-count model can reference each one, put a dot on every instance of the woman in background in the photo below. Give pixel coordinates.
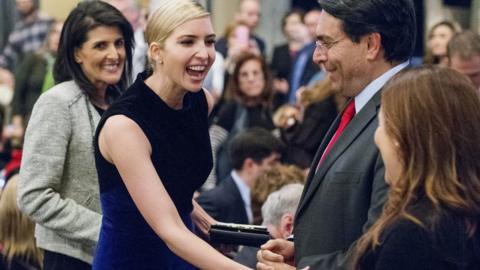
(428, 133)
(247, 104)
(58, 187)
(437, 40)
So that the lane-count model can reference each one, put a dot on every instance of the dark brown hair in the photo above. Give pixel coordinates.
(233, 91)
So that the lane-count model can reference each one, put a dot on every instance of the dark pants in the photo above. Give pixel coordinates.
(57, 261)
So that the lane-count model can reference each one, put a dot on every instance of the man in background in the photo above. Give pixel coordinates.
(464, 55)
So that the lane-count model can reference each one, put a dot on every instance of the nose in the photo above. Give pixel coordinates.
(202, 51)
(319, 57)
(113, 52)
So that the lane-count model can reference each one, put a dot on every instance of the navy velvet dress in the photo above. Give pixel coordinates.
(181, 154)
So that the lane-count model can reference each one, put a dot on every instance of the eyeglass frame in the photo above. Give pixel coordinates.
(323, 46)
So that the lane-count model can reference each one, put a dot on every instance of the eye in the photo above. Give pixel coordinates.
(210, 42)
(100, 45)
(187, 42)
(120, 43)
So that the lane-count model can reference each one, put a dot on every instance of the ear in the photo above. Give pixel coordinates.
(248, 163)
(76, 55)
(374, 45)
(155, 52)
(286, 225)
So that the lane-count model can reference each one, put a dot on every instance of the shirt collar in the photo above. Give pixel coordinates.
(375, 86)
(242, 187)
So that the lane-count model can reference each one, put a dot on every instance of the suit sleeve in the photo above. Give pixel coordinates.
(45, 150)
(339, 260)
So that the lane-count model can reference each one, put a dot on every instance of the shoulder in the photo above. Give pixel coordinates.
(64, 92)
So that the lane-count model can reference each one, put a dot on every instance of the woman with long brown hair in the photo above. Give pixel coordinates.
(428, 137)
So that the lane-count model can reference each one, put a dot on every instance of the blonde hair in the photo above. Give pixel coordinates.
(16, 229)
(170, 15)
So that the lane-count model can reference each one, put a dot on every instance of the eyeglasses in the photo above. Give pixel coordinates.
(323, 46)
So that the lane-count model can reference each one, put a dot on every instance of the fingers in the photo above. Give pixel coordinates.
(268, 257)
(262, 266)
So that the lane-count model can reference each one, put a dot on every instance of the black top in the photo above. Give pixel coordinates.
(406, 245)
(181, 151)
(257, 116)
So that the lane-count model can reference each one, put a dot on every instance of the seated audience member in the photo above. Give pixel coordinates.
(247, 104)
(270, 181)
(464, 55)
(303, 131)
(278, 213)
(437, 40)
(252, 152)
(428, 138)
(17, 242)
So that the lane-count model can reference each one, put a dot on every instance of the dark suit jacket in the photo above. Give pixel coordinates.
(224, 202)
(282, 62)
(344, 197)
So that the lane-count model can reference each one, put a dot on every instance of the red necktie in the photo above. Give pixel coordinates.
(347, 115)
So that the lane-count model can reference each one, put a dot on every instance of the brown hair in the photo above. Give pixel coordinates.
(465, 45)
(429, 58)
(233, 91)
(16, 229)
(434, 115)
(272, 180)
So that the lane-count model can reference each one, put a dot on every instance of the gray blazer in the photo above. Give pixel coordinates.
(58, 185)
(344, 197)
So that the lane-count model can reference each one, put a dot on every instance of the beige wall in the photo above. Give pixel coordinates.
(222, 14)
(58, 9)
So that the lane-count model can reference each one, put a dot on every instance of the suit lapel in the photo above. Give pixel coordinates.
(351, 132)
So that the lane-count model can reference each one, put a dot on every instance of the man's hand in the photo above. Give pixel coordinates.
(276, 254)
(7, 78)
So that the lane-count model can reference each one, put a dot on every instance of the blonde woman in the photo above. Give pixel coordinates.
(17, 242)
(153, 151)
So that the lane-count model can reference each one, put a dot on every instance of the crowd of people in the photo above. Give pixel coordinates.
(129, 134)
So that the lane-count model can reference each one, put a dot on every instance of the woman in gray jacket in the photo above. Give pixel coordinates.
(58, 185)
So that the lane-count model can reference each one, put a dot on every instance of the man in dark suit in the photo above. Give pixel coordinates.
(251, 153)
(360, 44)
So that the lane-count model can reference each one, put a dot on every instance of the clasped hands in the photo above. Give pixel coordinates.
(277, 254)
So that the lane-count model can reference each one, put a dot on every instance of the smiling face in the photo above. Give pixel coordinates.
(188, 54)
(102, 56)
(344, 61)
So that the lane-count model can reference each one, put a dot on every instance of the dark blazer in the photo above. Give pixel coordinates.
(282, 62)
(224, 202)
(344, 197)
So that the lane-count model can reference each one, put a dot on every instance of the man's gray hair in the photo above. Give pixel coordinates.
(280, 202)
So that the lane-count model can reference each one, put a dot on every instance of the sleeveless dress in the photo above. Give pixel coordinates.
(181, 155)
